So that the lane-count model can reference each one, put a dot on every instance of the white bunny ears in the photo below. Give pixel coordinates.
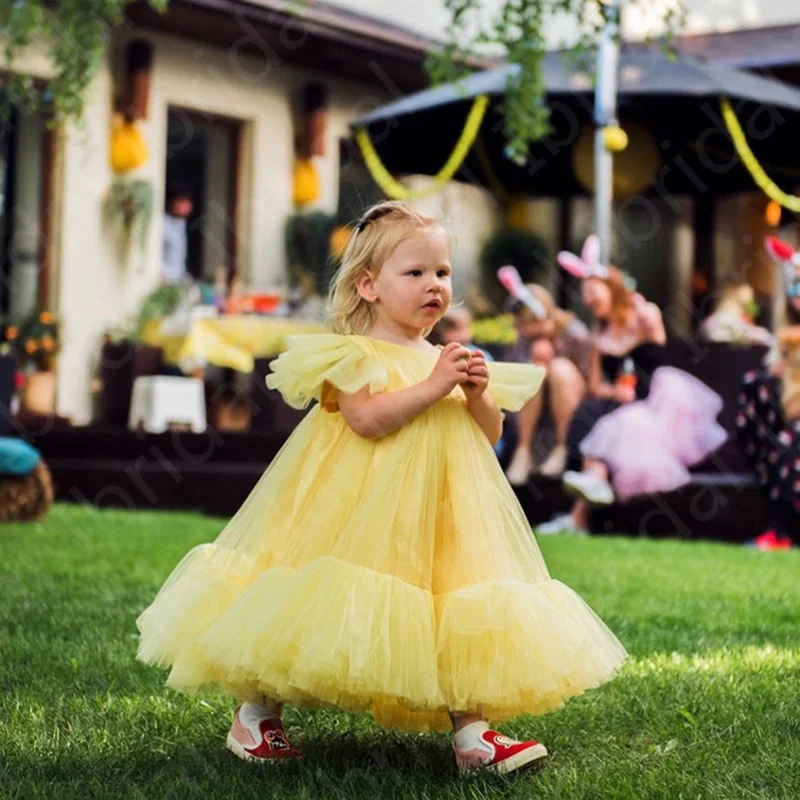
(588, 265)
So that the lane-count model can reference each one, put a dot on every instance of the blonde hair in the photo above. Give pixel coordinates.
(375, 237)
(736, 295)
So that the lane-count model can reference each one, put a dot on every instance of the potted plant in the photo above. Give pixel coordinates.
(37, 341)
(128, 209)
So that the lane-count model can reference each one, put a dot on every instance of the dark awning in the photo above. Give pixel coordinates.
(677, 99)
(641, 72)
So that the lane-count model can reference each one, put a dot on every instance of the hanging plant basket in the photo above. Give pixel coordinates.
(127, 211)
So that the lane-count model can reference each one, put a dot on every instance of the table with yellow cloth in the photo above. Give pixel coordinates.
(231, 341)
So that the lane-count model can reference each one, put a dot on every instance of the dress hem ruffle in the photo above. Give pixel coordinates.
(335, 634)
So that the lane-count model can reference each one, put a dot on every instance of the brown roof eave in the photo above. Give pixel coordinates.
(333, 39)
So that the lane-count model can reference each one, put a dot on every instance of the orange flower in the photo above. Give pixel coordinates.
(48, 343)
(46, 318)
(31, 346)
(12, 332)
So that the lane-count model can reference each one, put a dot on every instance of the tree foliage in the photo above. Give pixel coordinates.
(75, 34)
(517, 32)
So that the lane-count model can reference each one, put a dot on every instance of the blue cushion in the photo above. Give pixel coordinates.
(17, 457)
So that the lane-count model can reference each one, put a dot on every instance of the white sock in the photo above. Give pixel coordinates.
(251, 714)
(467, 737)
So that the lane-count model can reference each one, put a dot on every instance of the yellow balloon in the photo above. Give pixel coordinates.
(128, 149)
(615, 138)
(635, 168)
(306, 182)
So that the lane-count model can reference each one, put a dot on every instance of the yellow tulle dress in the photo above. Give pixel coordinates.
(396, 576)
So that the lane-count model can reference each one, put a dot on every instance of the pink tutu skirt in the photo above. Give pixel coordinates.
(648, 445)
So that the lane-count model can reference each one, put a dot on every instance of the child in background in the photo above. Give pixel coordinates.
(733, 320)
(559, 343)
(456, 326)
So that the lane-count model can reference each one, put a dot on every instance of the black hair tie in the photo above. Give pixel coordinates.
(372, 215)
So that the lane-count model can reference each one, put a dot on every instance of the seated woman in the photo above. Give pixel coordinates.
(560, 342)
(646, 445)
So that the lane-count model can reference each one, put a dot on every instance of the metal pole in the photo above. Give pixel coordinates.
(605, 113)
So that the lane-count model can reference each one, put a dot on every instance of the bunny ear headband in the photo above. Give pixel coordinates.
(588, 265)
(510, 278)
(789, 258)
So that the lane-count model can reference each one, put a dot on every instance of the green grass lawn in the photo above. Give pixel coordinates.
(708, 706)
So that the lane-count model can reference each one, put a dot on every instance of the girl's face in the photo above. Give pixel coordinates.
(181, 207)
(412, 291)
(461, 332)
(529, 327)
(596, 296)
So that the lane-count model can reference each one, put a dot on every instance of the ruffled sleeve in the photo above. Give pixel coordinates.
(314, 367)
(512, 385)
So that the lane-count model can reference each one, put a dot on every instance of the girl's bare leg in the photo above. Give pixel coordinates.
(580, 515)
(580, 509)
(522, 462)
(567, 388)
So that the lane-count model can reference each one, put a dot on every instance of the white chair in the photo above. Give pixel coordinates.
(159, 401)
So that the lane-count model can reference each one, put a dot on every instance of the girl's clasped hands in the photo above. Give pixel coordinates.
(458, 366)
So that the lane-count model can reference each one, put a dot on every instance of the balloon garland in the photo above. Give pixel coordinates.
(765, 183)
(396, 190)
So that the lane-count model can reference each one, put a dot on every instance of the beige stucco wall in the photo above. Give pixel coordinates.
(96, 289)
(31, 61)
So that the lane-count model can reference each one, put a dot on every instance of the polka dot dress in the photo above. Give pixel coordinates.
(771, 443)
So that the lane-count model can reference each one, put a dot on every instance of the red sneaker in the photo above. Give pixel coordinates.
(498, 753)
(771, 541)
(261, 740)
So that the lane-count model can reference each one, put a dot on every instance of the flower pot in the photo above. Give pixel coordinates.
(40, 393)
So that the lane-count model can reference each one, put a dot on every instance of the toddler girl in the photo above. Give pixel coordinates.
(382, 564)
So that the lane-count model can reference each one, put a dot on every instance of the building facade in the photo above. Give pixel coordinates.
(222, 105)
